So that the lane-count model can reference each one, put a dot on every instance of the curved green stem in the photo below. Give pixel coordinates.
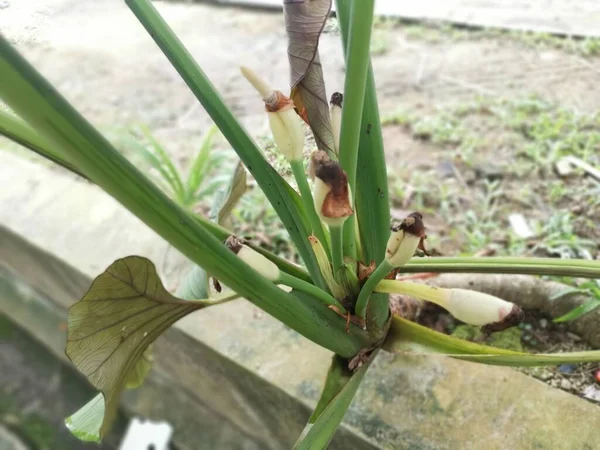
(416, 290)
(309, 204)
(311, 289)
(337, 248)
(365, 293)
(528, 266)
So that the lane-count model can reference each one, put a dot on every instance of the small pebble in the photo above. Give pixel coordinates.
(565, 384)
(543, 323)
(566, 368)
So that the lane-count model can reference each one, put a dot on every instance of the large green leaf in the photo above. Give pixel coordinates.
(284, 199)
(18, 131)
(35, 100)
(111, 327)
(339, 390)
(407, 337)
(304, 23)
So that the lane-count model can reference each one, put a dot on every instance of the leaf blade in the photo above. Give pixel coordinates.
(111, 327)
(304, 24)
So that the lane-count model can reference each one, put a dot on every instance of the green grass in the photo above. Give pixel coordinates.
(504, 152)
(440, 33)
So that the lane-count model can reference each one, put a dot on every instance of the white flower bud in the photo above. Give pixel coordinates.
(335, 111)
(477, 308)
(260, 263)
(285, 124)
(331, 193)
(405, 240)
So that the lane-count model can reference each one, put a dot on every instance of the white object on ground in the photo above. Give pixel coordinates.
(520, 226)
(145, 434)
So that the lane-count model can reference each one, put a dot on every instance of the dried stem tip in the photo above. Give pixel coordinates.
(405, 239)
(331, 193)
(336, 99)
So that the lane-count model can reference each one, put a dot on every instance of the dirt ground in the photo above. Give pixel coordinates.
(475, 120)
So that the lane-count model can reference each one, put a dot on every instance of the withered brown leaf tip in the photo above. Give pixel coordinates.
(413, 224)
(336, 99)
(277, 101)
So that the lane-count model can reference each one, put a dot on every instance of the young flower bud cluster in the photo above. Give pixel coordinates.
(258, 262)
(405, 240)
(286, 125)
(331, 192)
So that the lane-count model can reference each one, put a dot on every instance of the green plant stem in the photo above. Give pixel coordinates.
(528, 266)
(337, 249)
(439, 296)
(36, 101)
(379, 274)
(280, 194)
(309, 204)
(18, 131)
(319, 294)
(371, 195)
(357, 67)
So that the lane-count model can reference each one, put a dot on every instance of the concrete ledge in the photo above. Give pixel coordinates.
(232, 377)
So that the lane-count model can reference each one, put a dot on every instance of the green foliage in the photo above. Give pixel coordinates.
(112, 327)
(590, 288)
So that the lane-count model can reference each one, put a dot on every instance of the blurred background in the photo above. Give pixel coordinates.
(491, 128)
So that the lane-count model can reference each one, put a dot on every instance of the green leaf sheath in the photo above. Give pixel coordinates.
(357, 66)
(372, 208)
(18, 131)
(280, 195)
(408, 337)
(338, 392)
(37, 102)
(371, 195)
(530, 266)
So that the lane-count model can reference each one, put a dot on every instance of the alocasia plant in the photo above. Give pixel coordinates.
(340, 227)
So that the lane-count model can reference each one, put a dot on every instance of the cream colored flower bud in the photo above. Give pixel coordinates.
(331, 193)
(258, 262)
(285, 124)
(335, 112)
(405, 240)
(477, 308)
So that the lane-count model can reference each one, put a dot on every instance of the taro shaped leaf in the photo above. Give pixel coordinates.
(406, 337)
(339, 390)
(305, 20)
(110, 329)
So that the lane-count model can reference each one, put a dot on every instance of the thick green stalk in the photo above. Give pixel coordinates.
(337, 249)
(36, 101)
(372, 207)
(307, 199)
(284, 199)
(357, 67)
(362, 303)
(530, 266)
(18, 131)
(371, 195)
(319, 294)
